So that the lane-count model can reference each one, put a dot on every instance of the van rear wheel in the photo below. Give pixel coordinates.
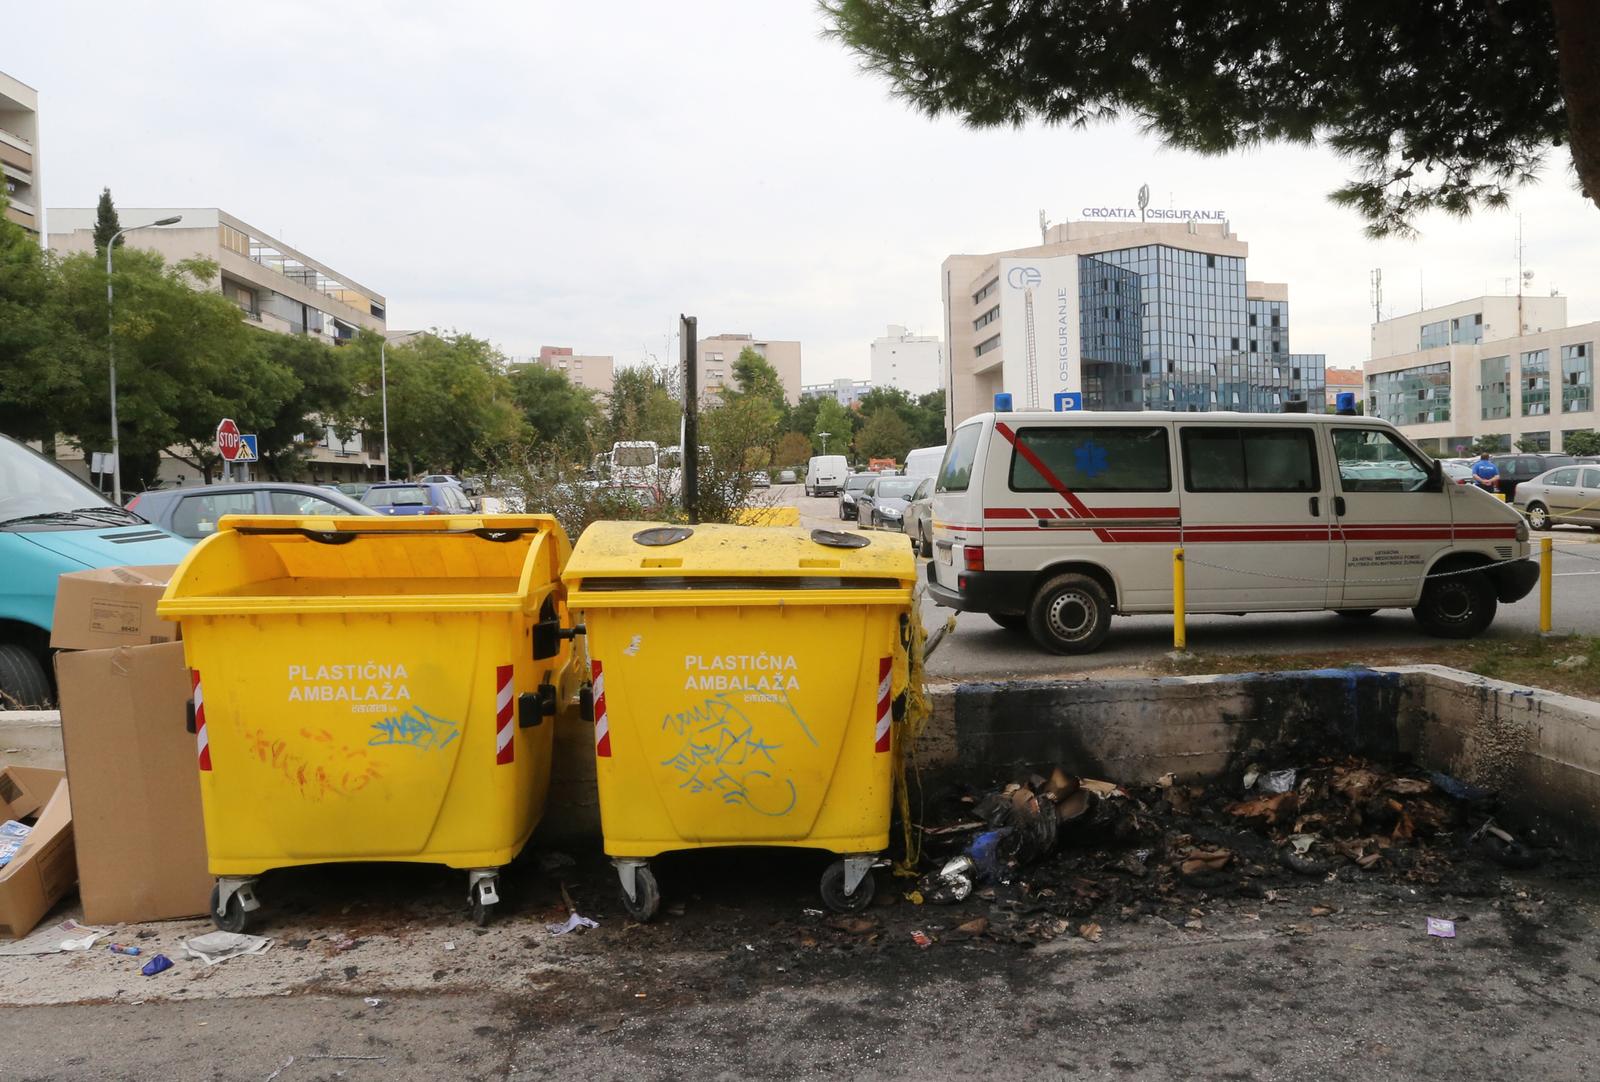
(1070, 614)
(1457, 606)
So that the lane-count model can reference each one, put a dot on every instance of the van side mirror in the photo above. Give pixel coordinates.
(1435, 475)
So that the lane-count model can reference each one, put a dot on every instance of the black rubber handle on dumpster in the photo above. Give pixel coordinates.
(657, 536)
(344, 537)
(188, 709)
(838, 539)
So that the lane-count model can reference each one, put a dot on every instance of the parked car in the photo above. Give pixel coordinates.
(1053, 523)
(1456, 470)
(919, 517)
(472, 486)
(192, 513)
(1567, 494)
(354, 489)
(418, 498)
(1517, 468)
(51, 523)
(760, 479)
(787, 477)
(825, 476)
(853, 486)
(883, 502)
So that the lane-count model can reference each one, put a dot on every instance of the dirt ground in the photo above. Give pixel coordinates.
(1252, 972)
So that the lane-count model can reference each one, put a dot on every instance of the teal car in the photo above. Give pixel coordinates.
(50, 523)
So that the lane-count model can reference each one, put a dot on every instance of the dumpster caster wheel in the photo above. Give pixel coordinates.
(836, 898)
(232, 918)
(646, 900)
(483, 895)
(481, 913)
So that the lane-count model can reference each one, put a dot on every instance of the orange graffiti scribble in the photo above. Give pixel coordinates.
(313, 779)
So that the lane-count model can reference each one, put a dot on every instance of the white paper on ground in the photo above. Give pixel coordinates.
(214, 947)
(574, 922)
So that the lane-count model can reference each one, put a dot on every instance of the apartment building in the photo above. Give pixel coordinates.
(718, 354)
(1506, 368)
(913, 363)
(845, 391)
(19, 154)
(1130, 314)
(277, 286)
(592, 371)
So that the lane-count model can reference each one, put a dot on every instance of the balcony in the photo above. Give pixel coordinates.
(22, 217)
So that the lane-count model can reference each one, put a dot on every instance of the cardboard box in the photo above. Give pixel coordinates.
(135, 784)
(43, 869)
(111, 606)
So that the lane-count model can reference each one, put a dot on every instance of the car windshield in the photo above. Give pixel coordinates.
(859, 482)
(897, 488)
(394, 497)
(34, 488)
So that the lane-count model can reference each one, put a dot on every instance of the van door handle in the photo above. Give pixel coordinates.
(1338, 506)
(1316, 507)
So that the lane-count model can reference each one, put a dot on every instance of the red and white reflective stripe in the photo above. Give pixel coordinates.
(201, 740)
(504, 749)
(881, 734)
(602, 728)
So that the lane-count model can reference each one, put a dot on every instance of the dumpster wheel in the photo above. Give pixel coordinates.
(645, 901)
(483, 894)
(837, 898)
(230, 916)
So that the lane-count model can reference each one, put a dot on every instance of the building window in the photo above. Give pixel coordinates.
(986, 345)
(987, 318)
(233, 240)
(1535, 376)
(1534, 441)
(1436, 334)
(986, 291)
(1493, 392)
(1410, 396)
(1468, 330)
(1577, 378)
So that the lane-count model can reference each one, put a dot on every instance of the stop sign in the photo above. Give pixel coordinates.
(228, 439)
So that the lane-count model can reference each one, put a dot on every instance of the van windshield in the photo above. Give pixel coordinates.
(634, 455)
(34, 489)
(956, 471)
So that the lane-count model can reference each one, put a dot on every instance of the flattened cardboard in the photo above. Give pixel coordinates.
(43, 869)
(111, 606)
(135, 784)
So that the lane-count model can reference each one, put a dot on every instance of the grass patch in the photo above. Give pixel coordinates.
(1523, 659)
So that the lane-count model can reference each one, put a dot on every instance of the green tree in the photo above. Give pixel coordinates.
(838, 422)
(106, 225)
(325, 395)
(185, 359)
(1583, 442)
(1437, 105)
(559, 415)
(450, 405)
(754, 377)
(1528, 445)
(929, 428)
(885, 435)
(642, 408)
(1486, 445)
(803, 417)
(794, 449)
(33, 380)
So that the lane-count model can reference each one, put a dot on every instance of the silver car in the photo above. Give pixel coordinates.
(883, 503)
(1565, 494)
(919, 518)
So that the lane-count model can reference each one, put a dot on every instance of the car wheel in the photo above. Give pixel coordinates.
(24, 685)
(1070, 614)
(924, 542)
(1456, 606)
(1538, 516)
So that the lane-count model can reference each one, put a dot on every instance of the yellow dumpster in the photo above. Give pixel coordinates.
(744, 683)
(372, 689)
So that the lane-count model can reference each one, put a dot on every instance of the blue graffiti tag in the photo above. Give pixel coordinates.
(415, 728)
(722, 753)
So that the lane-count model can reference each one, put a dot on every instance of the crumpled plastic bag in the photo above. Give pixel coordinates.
(215, 947)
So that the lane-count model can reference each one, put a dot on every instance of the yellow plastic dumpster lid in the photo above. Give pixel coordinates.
(616, 558)
(258, 564)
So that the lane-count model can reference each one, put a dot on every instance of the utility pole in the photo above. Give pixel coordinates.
(688, 351)
(111, 353)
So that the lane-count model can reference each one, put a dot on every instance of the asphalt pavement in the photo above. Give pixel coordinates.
(981, 650)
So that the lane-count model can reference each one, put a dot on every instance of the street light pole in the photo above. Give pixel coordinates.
(383, 383)
(111, 354)
(824, 436)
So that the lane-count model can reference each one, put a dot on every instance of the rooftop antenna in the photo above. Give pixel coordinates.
(1524, 278)
(1044, 227)
(1377, 294)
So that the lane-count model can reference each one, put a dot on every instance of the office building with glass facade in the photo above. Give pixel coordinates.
(1507, 369)
(1130, 315)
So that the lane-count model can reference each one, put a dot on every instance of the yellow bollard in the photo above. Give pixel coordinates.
(1545, 564)
(1180, 634)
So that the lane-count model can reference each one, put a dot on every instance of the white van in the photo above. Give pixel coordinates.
(1054, 522)
(924, 461)
(825, 475)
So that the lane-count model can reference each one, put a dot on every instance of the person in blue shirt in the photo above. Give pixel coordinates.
(1486, 472)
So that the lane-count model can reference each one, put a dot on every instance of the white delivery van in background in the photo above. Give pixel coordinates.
(1053, 522)
(923, 462)
(825, 475)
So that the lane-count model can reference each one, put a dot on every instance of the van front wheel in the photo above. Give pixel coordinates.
(1457, 606)
(1070, 614)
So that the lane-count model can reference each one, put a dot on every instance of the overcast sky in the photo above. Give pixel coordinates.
(578, 174)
